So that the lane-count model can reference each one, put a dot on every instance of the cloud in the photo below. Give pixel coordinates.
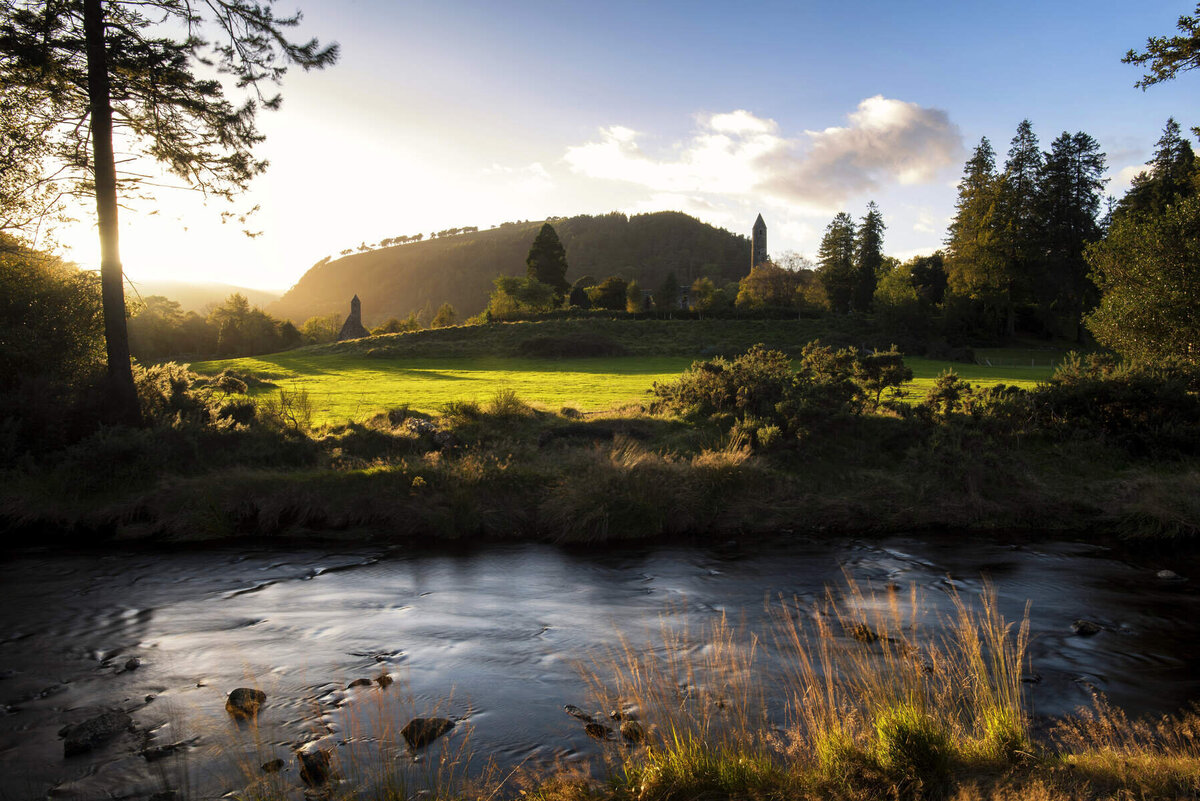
(736, 153)
(530, 178)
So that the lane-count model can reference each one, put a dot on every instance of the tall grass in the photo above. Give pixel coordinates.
(872, 699)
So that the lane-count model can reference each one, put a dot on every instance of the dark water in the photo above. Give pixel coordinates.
(491, 639)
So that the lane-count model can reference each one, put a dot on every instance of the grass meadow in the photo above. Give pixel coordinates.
(350, 386)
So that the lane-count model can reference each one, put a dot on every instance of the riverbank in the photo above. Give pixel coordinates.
(507, 471)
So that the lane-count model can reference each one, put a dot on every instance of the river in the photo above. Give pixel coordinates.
(491, 638)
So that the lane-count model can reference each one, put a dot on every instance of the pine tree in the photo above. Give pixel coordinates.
(666, 297)
(1069, 206)
(1018, 231)
(1174, 172)
(95, 65)
(547, 260)
(835, 263)
(1169, 56)
(975, 264)
(868, 257)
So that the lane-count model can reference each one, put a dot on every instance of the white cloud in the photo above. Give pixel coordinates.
(738, 154)
(1121, 182)
(530, 178)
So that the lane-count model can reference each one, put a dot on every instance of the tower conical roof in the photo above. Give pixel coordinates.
(759, 222)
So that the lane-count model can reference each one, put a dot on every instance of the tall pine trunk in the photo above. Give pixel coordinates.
(121, 400)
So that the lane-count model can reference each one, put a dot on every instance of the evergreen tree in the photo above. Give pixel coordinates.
(1169, 56)
(94, 65)
(868, 253)
(1174, 171)
(835, 262)
(975, 264)
(547, 260)
(1018, 230)
(1070, 204)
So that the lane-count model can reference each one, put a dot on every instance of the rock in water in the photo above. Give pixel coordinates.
(1086, 628)
(314, 766)
(83, 737)
(420, 732)
(359, 683)
(274, 766)
(632, 731)
(577, 713)
(133, 664)
(243, 703)
(598, 731)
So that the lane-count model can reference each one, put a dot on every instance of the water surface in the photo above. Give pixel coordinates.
(491, 638)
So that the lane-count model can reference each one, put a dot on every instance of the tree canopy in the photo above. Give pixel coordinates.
(140, 77)
(1167, 56)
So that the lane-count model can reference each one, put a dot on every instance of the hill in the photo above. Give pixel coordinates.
(459, 269)
(198, 297)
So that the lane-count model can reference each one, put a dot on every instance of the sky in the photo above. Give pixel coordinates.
(450, 113)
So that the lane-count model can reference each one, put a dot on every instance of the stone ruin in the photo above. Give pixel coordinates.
(353, 327)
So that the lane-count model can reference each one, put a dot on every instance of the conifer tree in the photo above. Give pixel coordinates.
(868, 257)
(95, 66)
(666, 297)
(975, 265)
(547, 260)
(1174, 171)
(1069, 206)
(835, 263)
(1018, 230)
(1169, 56)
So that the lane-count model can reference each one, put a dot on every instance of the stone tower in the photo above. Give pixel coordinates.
(758, 243)
(353, 327)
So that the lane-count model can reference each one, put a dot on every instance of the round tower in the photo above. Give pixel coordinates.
(758, 243)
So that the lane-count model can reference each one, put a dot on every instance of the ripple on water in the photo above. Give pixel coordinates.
(495, 637)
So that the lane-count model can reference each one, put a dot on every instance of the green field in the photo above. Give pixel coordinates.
(344, 386)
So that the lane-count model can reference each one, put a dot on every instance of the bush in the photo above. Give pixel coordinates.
(912, 744)
(760, 388)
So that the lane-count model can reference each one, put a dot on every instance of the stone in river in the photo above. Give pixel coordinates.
(1086, 628)
(421, 732)
(243, 703)
(577, 713)
(274, 766)
(359, 683)
(314, 766)
(597, 731)
(133, 664)
(632, 731)
(83, 737)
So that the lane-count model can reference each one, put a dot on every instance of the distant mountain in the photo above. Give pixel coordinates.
(198, 297)
(459, 269)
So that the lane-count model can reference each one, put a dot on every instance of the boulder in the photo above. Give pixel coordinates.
(577, 713)
(315, 766)
(1086, 628)
(93, 732)
(384, 680)
(632, 731)
(133, 664)
(420, 732)
(243, 703)
(597, 731)
(274, 766)
(359, 683)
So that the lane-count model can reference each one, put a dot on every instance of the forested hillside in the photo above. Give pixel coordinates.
(459, 269)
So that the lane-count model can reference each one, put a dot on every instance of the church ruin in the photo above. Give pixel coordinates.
(353, 327)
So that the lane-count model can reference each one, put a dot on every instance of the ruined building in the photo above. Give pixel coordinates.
(353, 327)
